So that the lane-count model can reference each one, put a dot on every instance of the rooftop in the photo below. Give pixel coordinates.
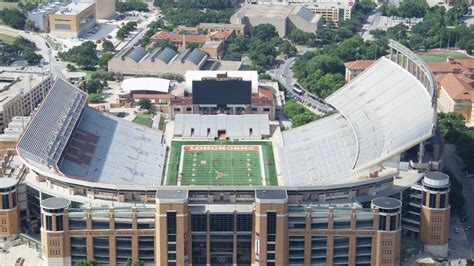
(458, 87)
(146, 84)
(55, 203)
(74, 8)
(387, 203)
(359, 64)
(268, 11)
(11, 84)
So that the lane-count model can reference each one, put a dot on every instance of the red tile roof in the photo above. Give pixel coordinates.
(458, 87)
(359, 64)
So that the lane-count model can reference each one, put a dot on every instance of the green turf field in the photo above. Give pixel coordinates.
(440, 57)
(216, 166)
(231, 166)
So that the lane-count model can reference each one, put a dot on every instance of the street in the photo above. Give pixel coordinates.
(451, 162)
(283, 75)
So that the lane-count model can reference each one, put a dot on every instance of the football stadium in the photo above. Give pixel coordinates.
(224, 184)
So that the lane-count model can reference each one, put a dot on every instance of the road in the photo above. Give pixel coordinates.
(372, 22)
(452, 163)
(42, 49)
(284, 76)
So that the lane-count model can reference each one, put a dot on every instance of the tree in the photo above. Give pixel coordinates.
(95, 97)
(86, 263)
(104, 59)
(192, 45)
(133, 5)
(107, 45)
(298, 114)
(30, 25)
(84, 55)
(71, 68)
(144, 104)
(13, 18)
(31, 57)
(94, 86)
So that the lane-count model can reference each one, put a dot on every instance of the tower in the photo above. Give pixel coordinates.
(55, 244)
(9, 210)
(435, 212)
(270, 240)
(172, 242)
(387, 221)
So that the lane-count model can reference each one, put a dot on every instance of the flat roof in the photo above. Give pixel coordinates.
(177, 195)
(267, 11)
(73, 8)
(55, 203)
(387, 203)
(6, 182)
(11, 84)
(146, 84)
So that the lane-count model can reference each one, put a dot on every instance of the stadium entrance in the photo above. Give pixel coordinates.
(221, 134)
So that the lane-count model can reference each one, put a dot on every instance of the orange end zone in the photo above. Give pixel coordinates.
(221, 148)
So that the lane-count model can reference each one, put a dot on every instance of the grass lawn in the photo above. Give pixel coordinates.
(7, 38)
(440, 57)
(4, 5)
(221, 167)
(231, 165)
(143, 120)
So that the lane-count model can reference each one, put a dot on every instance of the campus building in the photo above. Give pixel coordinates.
(223, 92)
(335, 10)
(285, 18)
(137, 61)
(72, 20)
(20, 94)
(338, 191)
(456, 94)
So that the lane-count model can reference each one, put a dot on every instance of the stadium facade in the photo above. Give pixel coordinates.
(95, 188)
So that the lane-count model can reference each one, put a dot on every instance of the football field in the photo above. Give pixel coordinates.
(221, 165)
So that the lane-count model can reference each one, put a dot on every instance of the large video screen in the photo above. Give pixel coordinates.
(222, 92)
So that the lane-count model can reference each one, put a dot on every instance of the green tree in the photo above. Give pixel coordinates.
(95, 97)
(30, 25)
(104, 59)
(31, 57)
(13, 18)
(71, 68)
(192, 45)
(107, 45)
(86, 263)
(144, 104)
(132, 5)
(84, 55)
(94, 86)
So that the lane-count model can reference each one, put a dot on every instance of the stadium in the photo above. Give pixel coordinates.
(232, 188)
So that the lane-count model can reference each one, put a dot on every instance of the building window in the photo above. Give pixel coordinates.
(244, 222)
(382, 221)
(222, 222)
(266, 109)
(5, 202)
(177, 109)
(59, 223)
(199, 222)
(49, 223)
(393, 223)
(171, 222)
(432, 200)
(442, 201)
(62, 27)
(189, 109)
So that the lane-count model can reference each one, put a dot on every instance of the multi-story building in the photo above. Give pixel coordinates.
(20, 94)
(223, 92)
(338, 191)
(283, 17)
(329, 9)
(72, 20)
(456, 94)
(137, 61)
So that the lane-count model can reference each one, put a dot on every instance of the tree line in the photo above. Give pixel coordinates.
(20, 49)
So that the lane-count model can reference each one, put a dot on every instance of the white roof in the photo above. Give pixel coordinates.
(382, 112)
(146, 84)
(199, 75)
